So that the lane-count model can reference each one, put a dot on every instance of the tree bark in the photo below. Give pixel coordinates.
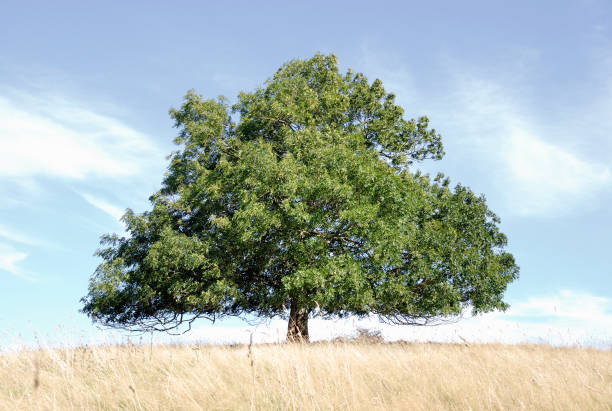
(297, 331)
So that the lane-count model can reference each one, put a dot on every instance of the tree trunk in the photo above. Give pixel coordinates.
(297, 331)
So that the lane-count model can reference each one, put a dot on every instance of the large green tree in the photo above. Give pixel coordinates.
(308, 202)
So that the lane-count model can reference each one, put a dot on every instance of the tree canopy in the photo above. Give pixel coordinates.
(307, 200)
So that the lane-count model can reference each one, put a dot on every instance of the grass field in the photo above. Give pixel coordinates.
(361, 375)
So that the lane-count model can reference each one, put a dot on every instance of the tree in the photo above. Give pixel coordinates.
(307, 203)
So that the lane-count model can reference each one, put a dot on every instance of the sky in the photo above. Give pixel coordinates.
(520, 92)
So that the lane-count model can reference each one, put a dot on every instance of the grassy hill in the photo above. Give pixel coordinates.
(344, 375)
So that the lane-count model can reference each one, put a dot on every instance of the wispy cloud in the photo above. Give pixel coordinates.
(566, 306)
(540, 177)
(548, 178)
(9, 259)
(101, 204)
(538, 163)
(53, 137)
(19, 237)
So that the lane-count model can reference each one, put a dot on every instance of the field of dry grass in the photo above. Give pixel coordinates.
(317, 376)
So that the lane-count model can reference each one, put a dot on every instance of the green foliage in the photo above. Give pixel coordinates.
(309, 198)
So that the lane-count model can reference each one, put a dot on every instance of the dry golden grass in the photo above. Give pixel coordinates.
(316, 376)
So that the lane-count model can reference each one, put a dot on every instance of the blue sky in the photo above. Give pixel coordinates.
(521, 93)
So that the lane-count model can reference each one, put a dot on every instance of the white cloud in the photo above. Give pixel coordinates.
(539, 177)
(567, 307)
(55, 138)
(105, 206)
(19, 237)
(9, 258)
(536, 165)
(547, 178)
